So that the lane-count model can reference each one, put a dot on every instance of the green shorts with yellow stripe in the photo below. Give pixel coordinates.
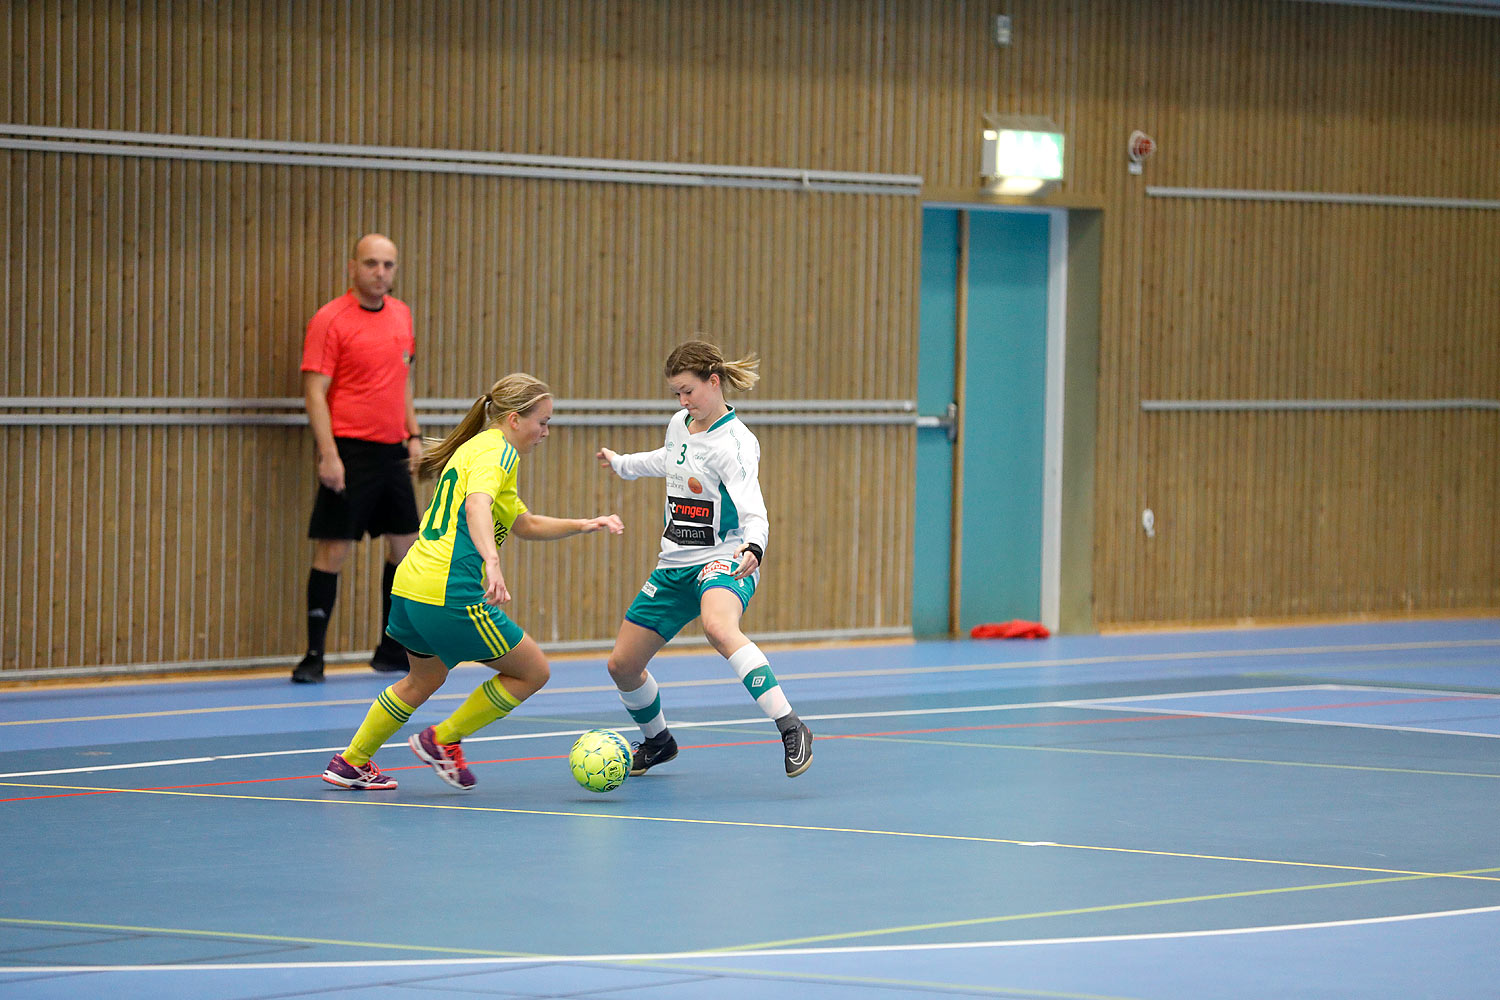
(454, 635)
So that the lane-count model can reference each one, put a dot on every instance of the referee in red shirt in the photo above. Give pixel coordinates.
(356, 380)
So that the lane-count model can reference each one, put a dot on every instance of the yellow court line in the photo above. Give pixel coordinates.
(1172, 756)
(1079, 911)
(241, 936)
(745, 824)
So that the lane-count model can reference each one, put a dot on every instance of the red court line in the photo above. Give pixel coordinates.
(257, 781)
(696, 746)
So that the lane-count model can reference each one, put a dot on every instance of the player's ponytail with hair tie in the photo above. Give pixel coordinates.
(705, 360)
(435, 458)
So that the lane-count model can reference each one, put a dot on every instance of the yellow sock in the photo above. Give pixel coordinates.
(386, 715)
(487, 703)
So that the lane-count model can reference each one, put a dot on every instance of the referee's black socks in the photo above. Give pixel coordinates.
(387, 578)
(322, 591)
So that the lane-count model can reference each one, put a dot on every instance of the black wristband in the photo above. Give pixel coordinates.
(760, 553)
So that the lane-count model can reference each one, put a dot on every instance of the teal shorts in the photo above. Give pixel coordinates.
(454, 635)
(670, 598)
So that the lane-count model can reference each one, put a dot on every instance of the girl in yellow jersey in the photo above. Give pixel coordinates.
(446, 598)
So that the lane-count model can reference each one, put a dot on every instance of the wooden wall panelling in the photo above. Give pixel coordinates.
(1261, 328)
(1324, 527)
(172, 278)
(182, 599)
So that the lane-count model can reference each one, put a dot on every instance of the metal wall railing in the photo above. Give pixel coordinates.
(1297, 405)
(142, 411)
(164, 146)
(1323, 198)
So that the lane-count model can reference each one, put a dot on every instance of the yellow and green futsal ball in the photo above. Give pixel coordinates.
(600, 760)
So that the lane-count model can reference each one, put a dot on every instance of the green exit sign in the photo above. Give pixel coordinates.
(1023, 154)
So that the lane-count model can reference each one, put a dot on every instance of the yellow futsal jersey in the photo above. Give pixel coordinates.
(443, 567)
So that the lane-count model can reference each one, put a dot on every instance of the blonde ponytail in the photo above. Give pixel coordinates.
(704, 359)
(515, 393)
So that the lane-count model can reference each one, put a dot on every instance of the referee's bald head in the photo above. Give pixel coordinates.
(373, 244)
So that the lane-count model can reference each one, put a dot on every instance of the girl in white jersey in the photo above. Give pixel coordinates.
(711, 550)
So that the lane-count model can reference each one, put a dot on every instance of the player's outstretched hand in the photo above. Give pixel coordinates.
(604, 522)
(606, 459)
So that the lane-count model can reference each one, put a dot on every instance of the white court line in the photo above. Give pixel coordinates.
(1200, 714)
(1454, 694)
(741, 955)
(111, 767)
(1100, 704)
(1125, 703)
(1439, 692)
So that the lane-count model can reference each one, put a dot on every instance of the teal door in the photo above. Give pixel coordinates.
(1003, 423)
(938, 324)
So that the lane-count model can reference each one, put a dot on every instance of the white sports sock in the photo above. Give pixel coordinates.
(644, 706)
(754, 671)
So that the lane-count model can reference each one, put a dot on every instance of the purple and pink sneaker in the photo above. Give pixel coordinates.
(346, 775)
(447, 759)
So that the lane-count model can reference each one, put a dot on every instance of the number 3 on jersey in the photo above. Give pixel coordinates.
(682, 457)
(442, 498)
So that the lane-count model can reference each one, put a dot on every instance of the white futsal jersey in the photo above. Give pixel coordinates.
(714, 503)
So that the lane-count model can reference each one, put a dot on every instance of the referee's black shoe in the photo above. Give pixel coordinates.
(310, 670)
(389, 657)
(796, 741)
(654, 750)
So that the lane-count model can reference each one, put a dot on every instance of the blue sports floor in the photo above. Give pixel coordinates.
(1301, 812)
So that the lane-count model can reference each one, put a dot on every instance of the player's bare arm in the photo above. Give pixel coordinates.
(482, 534)
(540, 527)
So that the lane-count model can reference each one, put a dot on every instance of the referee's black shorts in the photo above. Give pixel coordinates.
(378, 498)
